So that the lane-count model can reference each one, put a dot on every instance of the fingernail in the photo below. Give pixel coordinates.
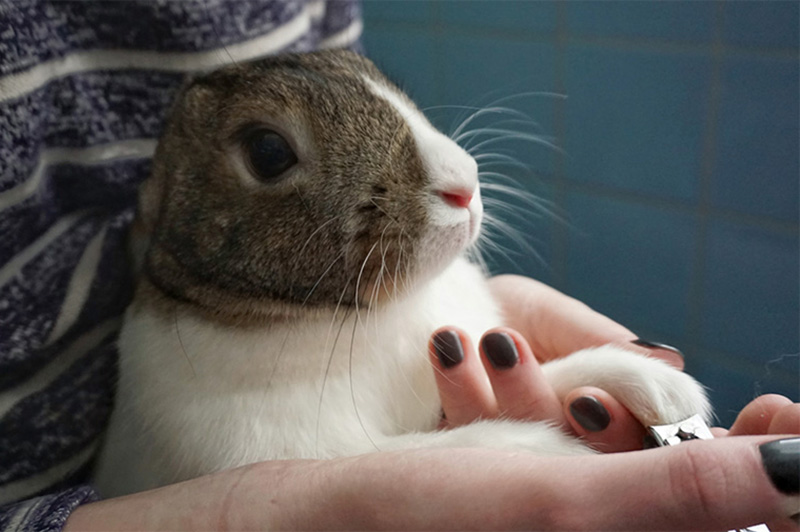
(447, 345)
(649, 442)
(781, 461)
(656, 345)
(590, 413)
(500, 350)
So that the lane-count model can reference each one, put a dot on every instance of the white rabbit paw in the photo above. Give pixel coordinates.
(654, 392)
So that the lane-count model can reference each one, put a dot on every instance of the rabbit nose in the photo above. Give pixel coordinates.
(457, 197)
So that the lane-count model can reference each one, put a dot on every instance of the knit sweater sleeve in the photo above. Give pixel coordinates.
(84, 92)
(46, 513)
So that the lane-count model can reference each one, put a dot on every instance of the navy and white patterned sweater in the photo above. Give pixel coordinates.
(84, 90)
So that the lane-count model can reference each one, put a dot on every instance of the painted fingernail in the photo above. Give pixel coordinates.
(781, 461)
(590, 413)
(447, 345)
(500, 350)
(649, 442)
(656, 345)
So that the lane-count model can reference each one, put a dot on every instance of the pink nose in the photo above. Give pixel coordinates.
(457, 197)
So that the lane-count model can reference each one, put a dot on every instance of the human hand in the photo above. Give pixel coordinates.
(703, 485)
(506, 380)
(555, 325)
(559, 325)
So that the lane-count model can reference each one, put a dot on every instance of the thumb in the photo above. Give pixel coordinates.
(700, 485)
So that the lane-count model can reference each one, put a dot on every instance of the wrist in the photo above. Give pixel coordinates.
(196, 504)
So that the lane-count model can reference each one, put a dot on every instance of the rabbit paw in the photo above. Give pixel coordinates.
(654, 392)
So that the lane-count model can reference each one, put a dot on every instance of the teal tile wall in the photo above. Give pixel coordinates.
(633, 260)
(676, 21)
(751, 24)
(632, 119)
(758, 122)
(662, 139)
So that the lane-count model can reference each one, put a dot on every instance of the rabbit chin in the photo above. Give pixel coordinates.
(436, 251)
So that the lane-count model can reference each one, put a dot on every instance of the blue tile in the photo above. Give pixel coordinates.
(407, 57)
(758, 143)
(482, 72)
(728, 390)
(769, 24)
(402, 11)
(631, 262)
(520, 15)
(520, 229)
(681, 21)
(780, 375)
(750, 296)
(635, 120)
(731, 386)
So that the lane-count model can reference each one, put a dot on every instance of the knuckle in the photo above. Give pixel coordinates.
(698, 481)
(531, 406)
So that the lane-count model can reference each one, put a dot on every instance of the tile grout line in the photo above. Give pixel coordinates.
(434, 28)
(681, 206)
(677, 205)
(560, 231)
(702, 211)
(620, 43)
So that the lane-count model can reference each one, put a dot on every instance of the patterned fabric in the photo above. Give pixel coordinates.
(84, 91)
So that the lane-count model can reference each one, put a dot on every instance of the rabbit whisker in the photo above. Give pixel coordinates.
(330, 357)
(356, 322)
(490, 110)
(180, 340)
(509, 134)
(317, 230)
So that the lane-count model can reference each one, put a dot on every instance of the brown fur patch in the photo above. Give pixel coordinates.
(236, 247)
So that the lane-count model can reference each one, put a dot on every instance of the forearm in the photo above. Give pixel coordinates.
(717, 484)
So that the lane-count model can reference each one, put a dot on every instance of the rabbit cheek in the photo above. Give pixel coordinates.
(451, 195)
(385, 245)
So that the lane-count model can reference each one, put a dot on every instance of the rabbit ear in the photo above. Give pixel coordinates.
(191, 98)
(144, 224)
(150, 194)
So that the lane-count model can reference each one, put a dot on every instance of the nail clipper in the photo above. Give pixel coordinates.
(693, 428)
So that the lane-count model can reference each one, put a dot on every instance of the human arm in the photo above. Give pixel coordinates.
(549, 325)
(707, 485)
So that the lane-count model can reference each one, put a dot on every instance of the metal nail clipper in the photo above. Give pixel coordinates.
(693, 428)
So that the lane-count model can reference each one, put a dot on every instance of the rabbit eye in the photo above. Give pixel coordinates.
(268, 154)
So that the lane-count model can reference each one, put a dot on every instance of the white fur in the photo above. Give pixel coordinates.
(238, 396)
(196, 397)
(449, 166)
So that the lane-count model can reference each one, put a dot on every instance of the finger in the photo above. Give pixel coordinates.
(464, 388)
(783, 525)
(786, 420)
(521, 390)
(720, 484)
(671, 355)
(533, 308)
(756, 417)
(602, 421)
(703, 485)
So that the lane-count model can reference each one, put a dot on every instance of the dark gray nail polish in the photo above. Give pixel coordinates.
(447, 345)
(500, 350)
(656, 345)
(649, 442)
(781, 461)
(590, 413)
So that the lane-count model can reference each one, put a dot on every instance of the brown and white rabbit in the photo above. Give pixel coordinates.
(300, 238)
